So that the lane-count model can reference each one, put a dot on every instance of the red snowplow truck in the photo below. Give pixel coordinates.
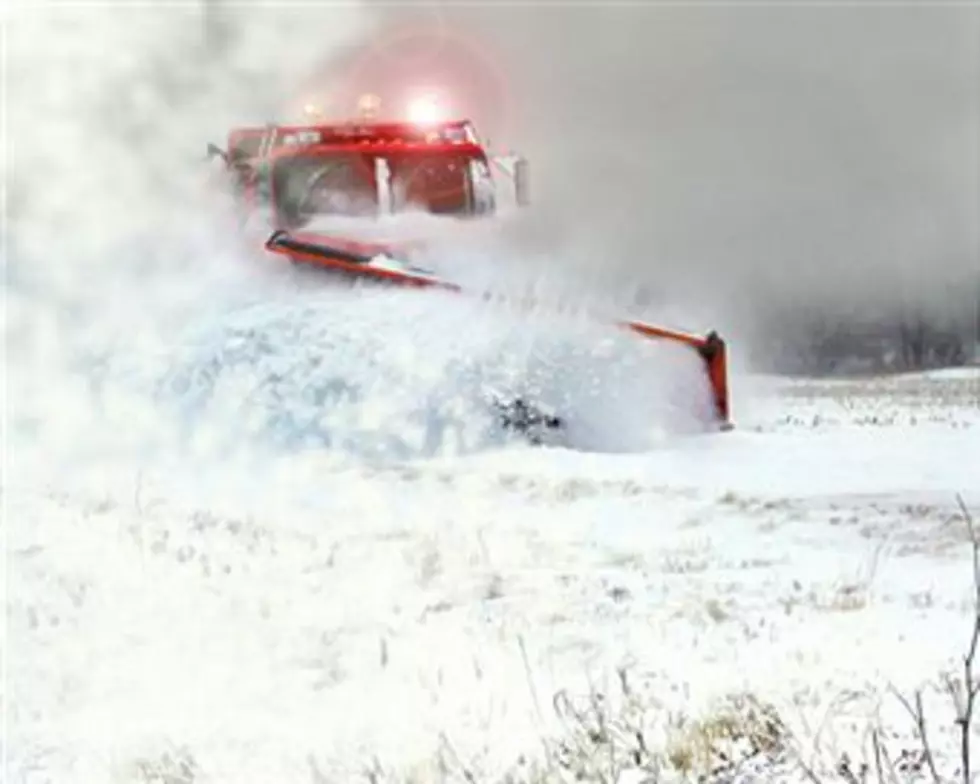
(294, 175)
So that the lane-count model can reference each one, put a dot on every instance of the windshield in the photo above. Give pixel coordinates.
(346, 183)
(245, 145)
(333, 184)
(440, 183)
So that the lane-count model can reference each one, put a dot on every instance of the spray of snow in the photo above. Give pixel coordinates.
(133, 267)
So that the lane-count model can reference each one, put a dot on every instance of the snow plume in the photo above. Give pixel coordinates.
(389, 376)
(109, 110)
(112, 239)
(126, 280)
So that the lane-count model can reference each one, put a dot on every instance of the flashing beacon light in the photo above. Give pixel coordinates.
(368, 106)
(425, 110)
(312, 111)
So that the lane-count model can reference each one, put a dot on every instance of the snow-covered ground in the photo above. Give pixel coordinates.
(346, 606)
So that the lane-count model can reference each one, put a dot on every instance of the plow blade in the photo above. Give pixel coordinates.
(389, 263)
(383, 263)
(713, 352)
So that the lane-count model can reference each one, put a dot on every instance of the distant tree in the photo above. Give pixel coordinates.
(931, 343)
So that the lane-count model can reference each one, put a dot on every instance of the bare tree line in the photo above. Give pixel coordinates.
(903, 340)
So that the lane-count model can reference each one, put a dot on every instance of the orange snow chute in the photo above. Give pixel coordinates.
(366, 260)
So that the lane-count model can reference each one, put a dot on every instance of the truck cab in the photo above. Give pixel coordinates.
(365, 169)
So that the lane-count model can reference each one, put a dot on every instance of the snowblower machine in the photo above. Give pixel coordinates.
(293, 175)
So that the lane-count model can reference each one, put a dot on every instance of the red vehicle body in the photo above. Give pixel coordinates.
(384, 167)
(295, 174)
(367, 181)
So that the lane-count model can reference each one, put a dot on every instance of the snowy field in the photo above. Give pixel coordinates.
(358, 595)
